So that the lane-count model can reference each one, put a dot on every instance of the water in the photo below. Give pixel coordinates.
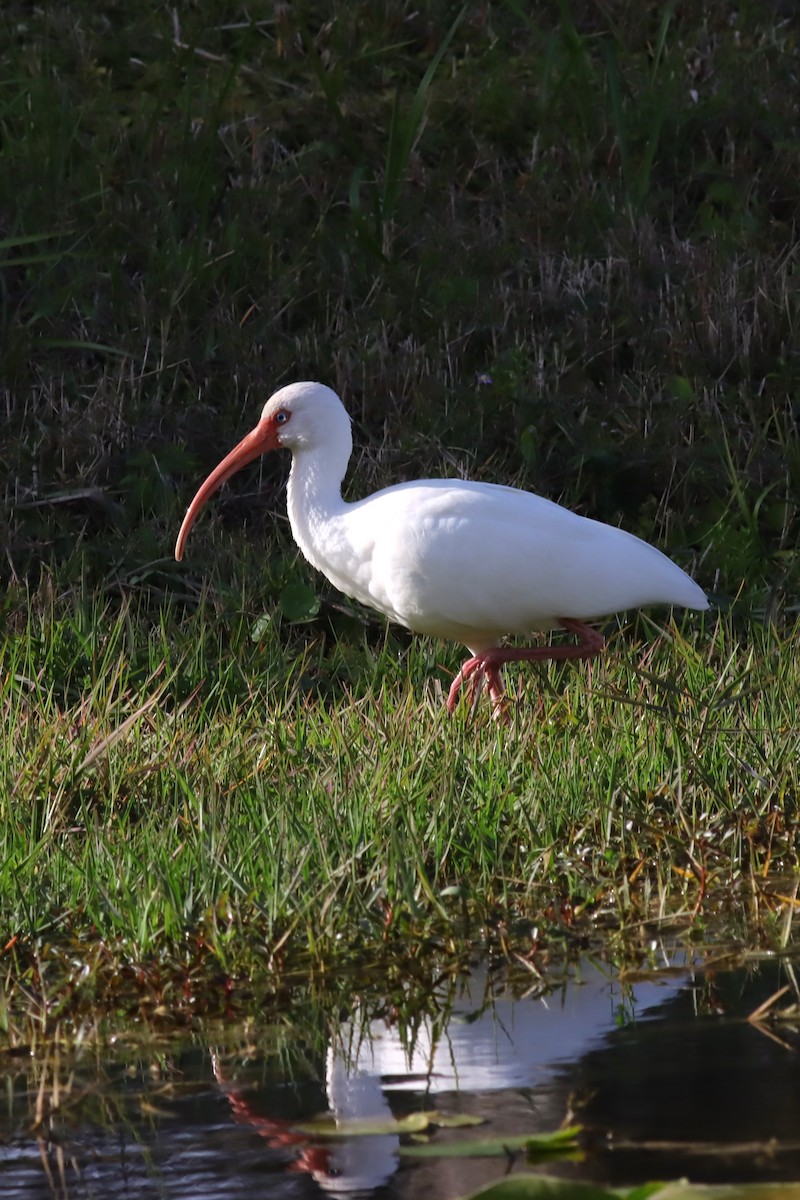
(666, 1074)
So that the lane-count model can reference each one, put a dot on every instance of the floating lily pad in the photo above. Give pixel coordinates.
(542, 1187)
(536, 1146)
(545, 1187)
(326, 1126)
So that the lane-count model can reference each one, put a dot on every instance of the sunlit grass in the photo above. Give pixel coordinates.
(163, 789)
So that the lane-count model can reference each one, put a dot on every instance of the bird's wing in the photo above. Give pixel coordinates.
(445, 557)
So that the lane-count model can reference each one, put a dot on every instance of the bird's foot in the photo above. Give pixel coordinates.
(468, 669)
(485, 667)
(501, 705)
(481, 670)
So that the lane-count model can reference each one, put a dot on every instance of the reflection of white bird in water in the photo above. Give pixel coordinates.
(469, 562)
(483, 1049)
(357, 1164)
(341, 1166)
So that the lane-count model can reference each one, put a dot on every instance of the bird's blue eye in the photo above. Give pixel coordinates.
(281, 416)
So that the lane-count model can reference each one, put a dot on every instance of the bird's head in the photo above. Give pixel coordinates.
(302, 416)
(298, 417)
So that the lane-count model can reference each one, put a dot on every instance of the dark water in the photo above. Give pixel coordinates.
(666, 1074)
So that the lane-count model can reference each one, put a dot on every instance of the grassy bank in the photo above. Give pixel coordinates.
(186, 788)
(548, 245)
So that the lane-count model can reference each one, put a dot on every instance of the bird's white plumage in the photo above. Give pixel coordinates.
(465, 561)
(460, 560)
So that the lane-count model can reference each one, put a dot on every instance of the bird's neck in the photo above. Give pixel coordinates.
(314, 497)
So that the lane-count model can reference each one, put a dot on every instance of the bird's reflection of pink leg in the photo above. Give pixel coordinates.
(486, 666)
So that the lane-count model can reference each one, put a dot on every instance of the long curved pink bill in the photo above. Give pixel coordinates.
(256, 443)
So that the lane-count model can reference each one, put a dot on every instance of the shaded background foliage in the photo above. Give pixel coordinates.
(553, 244)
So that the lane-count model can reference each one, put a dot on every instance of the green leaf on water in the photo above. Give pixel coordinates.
(536, 1146)
(546, 1187)
(681, 1189)
(644, 1191)
(456, 1121)
(542, 1187)
(329, 1127)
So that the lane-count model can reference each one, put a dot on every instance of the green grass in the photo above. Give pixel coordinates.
(178, 787)
(547, 245)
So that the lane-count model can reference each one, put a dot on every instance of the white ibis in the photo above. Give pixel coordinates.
(469, 562)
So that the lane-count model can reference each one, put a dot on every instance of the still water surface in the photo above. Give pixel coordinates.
(665, 1072)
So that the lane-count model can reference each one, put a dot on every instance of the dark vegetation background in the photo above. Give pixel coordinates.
(553, 244)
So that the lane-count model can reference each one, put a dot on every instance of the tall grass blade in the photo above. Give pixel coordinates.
(405, 129)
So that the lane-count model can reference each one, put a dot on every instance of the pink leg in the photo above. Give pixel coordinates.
(486, 666)
(476, 670)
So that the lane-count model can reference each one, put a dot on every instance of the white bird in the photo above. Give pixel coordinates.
(465, 561)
